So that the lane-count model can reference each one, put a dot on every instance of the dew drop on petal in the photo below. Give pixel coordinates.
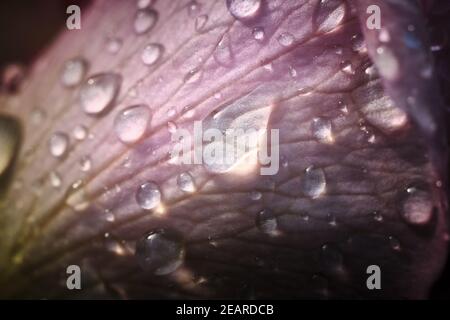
(80, 132)
(286, 39)
(73, 72)
(145, 20)
(113, 45)
(131, 123)
(329, 14)
(314, 183)
(151, 53)
(258, 33)
(387, 63)
(55, 179)
(85, 163)
(160, 252)
(148, 196)
(243, 9)
(58, 144)
(417, 207)
(255, 195)
(186, 182)
(98, 93)
(321, 129)
(266, 221)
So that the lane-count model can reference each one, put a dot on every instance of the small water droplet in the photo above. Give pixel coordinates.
(314, 183)
(193, 76)
(332, 220)
(186, 182)
(148, 196)
(193, 8)
(258, 33)
(109, 216)
(172, 127)
(80, 132)
(243, 9)
(85, 164)
(37, 116)
(58, 144)
(417, 207)
(131, 123)
(113, 45)
(200, 22)
(145, 20)
(321, 129)
(255, 195)
(377, 216)
(55, 179)
(292, 71)
(73, 72)
(151, 53)
(387, 63)
(160, 252)
(98, 92)
(266, 221)
(286, 39)
(329, 14)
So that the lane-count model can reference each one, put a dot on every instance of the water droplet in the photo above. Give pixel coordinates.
(131, 123)
(331, 258)
(98, 92)
(387, 63)
(73, 72)
(321, 129)
(9, 140)
(151, 53)
(200, 22)
(292, 71)
(314, 183)
(145, 20)
(113, 45)
(109, 216)
(417, 207)
(266, 221)
(377, 216)
(193, 8)
(58, 144)
(77, 198)
(160, 252)
(80, 132)
(394, 243)
(286, 39)
(37, 116)
(258, 33)
(142, 4)
(193, 76)
(358, 43)
(223, 54)
(329, 14)
(148, 196)
(255, 195)
(186, 183)
(85, 164)
(332, 220)
(55, 179)
(243, 9)
(371, 71)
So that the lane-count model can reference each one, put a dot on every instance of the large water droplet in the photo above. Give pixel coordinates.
(160, 252)
(243, 9)
(151, 54)
(321, 129)
(266, 221)
(314, 183)
(73, 72)
(58, 144)
(98, 93)
(145, 20)
(148, 196)
(329, 14)
(186, 182)
(131, 123)
(417, 206)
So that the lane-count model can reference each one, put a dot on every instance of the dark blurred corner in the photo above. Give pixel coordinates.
(27, 27)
